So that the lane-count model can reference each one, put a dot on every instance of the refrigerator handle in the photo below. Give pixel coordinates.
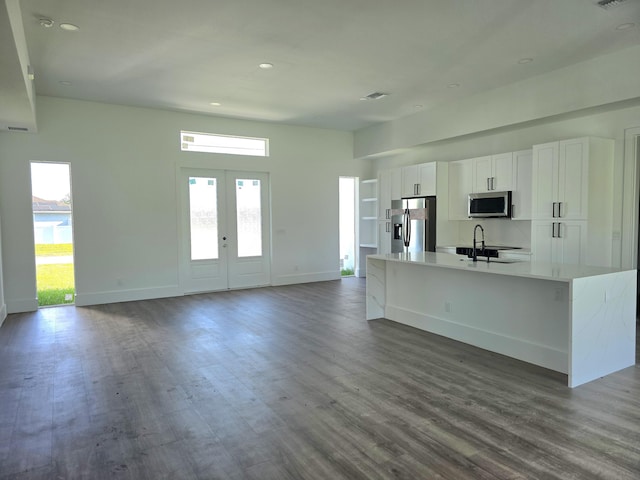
(406, 228)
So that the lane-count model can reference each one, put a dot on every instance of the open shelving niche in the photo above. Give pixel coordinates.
(368, 223)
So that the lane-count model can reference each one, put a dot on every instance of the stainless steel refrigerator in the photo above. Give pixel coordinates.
(414, 230)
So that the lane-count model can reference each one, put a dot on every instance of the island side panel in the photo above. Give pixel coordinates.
(523, 318)
(376, 288)
(603, 326)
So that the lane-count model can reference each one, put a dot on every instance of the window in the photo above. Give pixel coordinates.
(249, 218)
(203, 213)
(211, 143)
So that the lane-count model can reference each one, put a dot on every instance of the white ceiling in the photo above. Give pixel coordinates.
(182, 55)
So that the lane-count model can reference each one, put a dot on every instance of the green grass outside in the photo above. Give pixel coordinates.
(55, 281)
(347, 272)
(53, 249)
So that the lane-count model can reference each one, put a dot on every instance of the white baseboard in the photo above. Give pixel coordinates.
(3, 313)
(22, 305)
(512, 347)
(305, 278)
(116, 296)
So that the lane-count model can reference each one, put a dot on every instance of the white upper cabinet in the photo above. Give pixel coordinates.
(493, 173)
(560, 186)
(389, 188)
(460, 184)
(521, 200)
(419, 180)
(573, 179)
(427, 176)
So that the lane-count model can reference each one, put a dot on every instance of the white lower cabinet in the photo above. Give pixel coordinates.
(559, 242)
(384, 237)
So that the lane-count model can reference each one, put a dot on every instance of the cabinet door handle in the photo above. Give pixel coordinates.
(553, 230)
(488, 184)
(387, 214)
(417, 189)
(513, 210)
(388, 226)
(559, 231)
(553, 209)
(493, 183)
(559, 209)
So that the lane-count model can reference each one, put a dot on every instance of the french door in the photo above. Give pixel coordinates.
(225, 230)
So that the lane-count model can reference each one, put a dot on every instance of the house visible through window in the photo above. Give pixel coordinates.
(212, 143)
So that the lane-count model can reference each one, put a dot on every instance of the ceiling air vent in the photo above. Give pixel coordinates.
(375, 96)
(607, 4)
(18, 129)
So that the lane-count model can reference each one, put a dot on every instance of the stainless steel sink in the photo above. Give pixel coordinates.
(491, 260)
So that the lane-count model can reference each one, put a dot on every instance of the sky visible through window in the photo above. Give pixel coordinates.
(50, 181)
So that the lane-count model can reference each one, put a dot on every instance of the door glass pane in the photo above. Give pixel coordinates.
(249, 218)
(203, 213)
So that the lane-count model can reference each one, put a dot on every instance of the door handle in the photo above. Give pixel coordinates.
(406, 228)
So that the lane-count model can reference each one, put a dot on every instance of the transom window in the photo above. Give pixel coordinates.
(214, 143)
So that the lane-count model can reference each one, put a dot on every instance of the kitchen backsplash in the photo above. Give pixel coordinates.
(497, 231)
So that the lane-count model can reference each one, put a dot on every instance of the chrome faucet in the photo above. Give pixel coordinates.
(475, 251)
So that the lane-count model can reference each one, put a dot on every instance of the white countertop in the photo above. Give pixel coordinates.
(544, 271)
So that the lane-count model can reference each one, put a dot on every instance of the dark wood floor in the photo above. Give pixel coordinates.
(291, 383)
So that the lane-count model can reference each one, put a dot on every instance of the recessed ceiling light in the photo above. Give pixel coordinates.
(522, 61)
(266, 66)
(69, 27)
(215, 104)
(46, 22)
(625, 26)
(453, 85)
(418, 107)
(66, 83)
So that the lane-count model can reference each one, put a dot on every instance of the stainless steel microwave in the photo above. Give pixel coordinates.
(490, 205)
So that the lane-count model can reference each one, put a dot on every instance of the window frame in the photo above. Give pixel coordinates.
(225, 150)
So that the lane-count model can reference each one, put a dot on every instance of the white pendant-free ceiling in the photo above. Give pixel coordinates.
(325, 55)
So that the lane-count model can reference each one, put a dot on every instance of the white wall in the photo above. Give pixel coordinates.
(3, 305)
(609, 80)
(123, 166)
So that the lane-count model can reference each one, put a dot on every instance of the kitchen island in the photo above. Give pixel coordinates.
(575, 319)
